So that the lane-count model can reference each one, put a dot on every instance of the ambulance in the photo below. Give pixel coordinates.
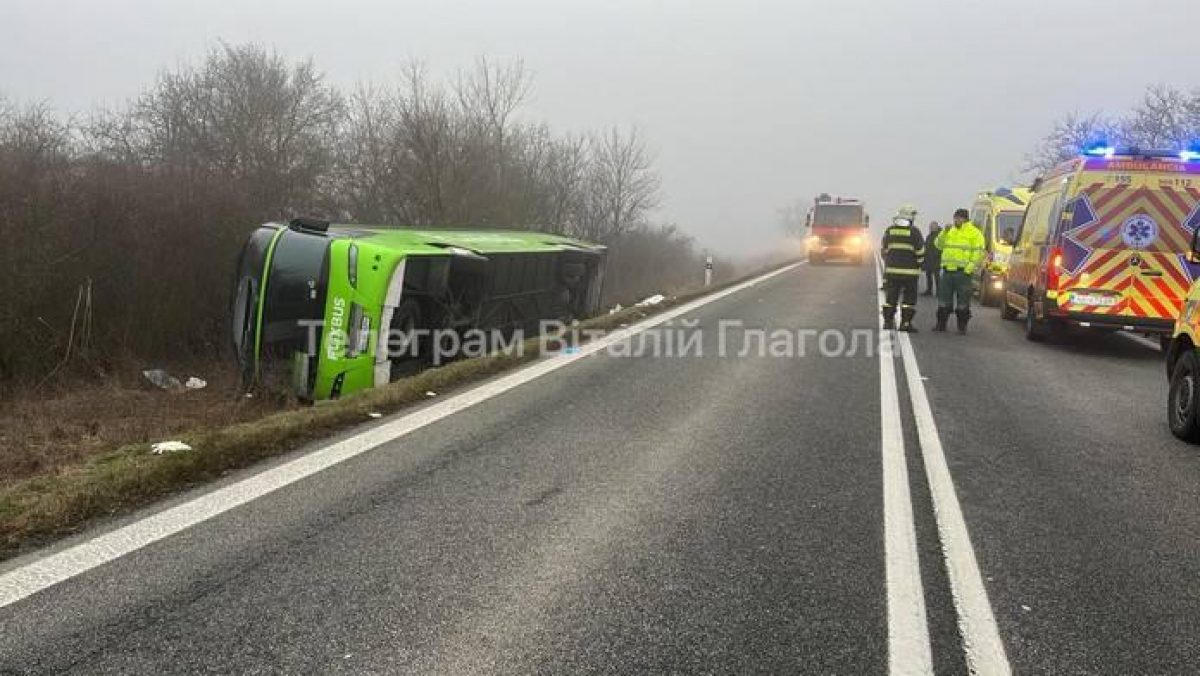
(1105, 243)
(998, 213)
(1183, 362)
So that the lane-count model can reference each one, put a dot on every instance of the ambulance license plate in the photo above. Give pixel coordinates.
(1098, 299)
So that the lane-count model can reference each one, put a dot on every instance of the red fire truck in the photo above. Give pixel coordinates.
(837, 228)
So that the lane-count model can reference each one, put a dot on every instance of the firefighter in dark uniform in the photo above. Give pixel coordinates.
(903, 252)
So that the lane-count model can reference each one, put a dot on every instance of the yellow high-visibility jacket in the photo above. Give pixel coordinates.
(962, 247)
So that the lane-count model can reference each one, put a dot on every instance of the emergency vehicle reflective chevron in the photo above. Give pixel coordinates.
(903, 250)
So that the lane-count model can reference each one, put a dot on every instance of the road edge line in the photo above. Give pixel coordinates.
(909, 648)
(982, 645)
(43, 573)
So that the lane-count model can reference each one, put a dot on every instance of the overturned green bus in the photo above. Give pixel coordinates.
(341, 308)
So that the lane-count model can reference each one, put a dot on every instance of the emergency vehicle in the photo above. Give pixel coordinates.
(1183, 363)
(998, 213)
(1104, 243)
(837, 229)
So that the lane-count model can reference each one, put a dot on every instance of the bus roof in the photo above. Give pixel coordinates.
(417, 241)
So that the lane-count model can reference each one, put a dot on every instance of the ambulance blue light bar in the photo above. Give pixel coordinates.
(1100, 150)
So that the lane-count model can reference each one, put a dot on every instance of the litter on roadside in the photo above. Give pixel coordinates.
(194, 383)
(163, 447)
(375, 414)
(652, 300)
(162, 380)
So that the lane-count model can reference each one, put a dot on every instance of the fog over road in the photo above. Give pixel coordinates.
(707, 513)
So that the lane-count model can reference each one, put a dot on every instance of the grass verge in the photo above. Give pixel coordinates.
(40, 509)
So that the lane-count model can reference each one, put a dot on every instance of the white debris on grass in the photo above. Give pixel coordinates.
(375, 414)
(431, 393)
(165, 381)
(168, 447)
(652, 300)
(615, 309)
(162, 380)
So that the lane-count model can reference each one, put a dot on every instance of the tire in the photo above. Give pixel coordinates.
(1036, 329)
(1007, 311)
(988, 297)
(1183, 398)
(406, 318)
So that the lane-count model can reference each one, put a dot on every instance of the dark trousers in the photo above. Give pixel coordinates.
(954, 295)
(901, 290)
(955, 291)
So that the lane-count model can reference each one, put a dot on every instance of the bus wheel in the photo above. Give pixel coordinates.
(404, 350)
(1183, 399)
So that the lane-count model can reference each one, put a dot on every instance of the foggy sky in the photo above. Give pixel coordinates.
(747, 105)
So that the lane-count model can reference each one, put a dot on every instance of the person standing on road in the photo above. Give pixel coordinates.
(933, 259)
(962, 248)
(903, 250)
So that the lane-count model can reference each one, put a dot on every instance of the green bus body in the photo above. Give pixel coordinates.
(323, 300)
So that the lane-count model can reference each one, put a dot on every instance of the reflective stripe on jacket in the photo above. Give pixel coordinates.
(902, 250)
(962, 247)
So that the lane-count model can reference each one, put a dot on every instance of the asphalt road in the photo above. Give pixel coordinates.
(697, 514)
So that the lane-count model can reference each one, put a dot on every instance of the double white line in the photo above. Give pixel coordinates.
(908, 629)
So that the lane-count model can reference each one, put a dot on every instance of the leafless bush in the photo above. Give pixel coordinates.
(146, 206)
(1165, 119)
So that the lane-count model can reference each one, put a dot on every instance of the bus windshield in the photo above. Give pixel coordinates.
(295, 288)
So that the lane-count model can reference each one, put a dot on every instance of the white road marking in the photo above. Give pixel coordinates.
(909, 650)
(981, 637)
(50, 570)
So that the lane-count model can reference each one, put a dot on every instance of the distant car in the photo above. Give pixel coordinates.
(838, 229)
(998, 213)
(1103, 244)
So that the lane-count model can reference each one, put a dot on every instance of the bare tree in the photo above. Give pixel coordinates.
(793, 217)
(244, 113)
(147, 205)
(1068, 137)
(622, 187)
(1161, 121)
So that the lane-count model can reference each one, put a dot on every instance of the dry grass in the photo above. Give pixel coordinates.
(52, 431)
(70, 459)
